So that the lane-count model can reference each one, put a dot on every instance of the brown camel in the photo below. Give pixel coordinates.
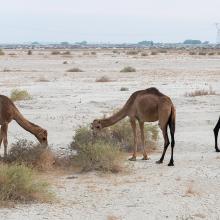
(146, 106)
(216, 130)
(9, 112)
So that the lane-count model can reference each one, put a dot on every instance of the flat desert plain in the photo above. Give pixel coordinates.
(62, 101)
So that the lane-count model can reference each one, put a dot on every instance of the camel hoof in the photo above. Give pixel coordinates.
(145, 158)
(170, 164)
(159, 162)
(132, 159)
(217, 150)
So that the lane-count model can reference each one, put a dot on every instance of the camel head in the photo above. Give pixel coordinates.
(42, 137)
(96, 125)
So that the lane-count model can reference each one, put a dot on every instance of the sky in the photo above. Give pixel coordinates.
(115, 21)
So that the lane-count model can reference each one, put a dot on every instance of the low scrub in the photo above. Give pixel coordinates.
(200, 92)
(103, 79)
(18, 183)
(153, 53)
(128, 69)
(66, 52)
(132, 52)
(119, 134)
(144, 54)
(18, 95)
(202, 53)
(93, 53)
(55, 52)
(2, 52)
(29, 52)
(31, 154)
(192, 53)
(74, 70)
(124, 89)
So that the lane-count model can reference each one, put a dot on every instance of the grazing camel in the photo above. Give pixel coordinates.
(9, 112)
(216, 130)
(146, 106)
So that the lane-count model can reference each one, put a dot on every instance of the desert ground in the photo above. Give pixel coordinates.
(62, 101)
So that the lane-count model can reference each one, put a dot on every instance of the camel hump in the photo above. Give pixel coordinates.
(154, 90)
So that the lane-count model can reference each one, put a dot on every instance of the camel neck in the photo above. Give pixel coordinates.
(113, 119)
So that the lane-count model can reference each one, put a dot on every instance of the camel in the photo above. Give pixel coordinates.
(216, 130)
(148, 105)
(9, 112)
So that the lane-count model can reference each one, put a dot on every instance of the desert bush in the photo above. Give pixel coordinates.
(19, 184)
(93, 53)
(55, 52)
(1, 52)
(202, 53)
(192, 53)
(30, 154)
(74, 70)
(119, 134)
(211, 53)
(128, 69)
(29, 52)
(65, 62)
(163, 51)
(200, 92)
(153, 53)
(66, 52)
(18, 95)
(124, 89)
(86, 53)
(99, 155)
(132, 52)
(116, 51)
(143, 54)
(103, 79)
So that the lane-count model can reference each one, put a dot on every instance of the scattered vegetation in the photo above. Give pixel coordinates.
(18, 95)
(163, 51)
(66, 52)
(211, 53)
(124, 89)
(74, 70)
(144, 54)
(153, 53)
(128, 69)
(2, 52)
(192, 53)
(31, 154)
(200, 92)
(65, 62)
(202, 53)
(103, 79)
(18, 183)
(55, 52)
(93, 53)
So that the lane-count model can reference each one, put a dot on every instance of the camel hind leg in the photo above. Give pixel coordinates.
(216, 130)
(133, 126)
(164, 115)
(145, 157)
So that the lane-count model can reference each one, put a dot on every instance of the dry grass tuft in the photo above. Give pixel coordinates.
(32, 155)
(200, 92)
(29, 52)
(103, 79)
(153, 53)
(132, 52)
(144, 54)
(128, 69)
(124, 89)
(202, 53)
(18, 95)
(66, 52)
(192, 53)
(93, 53)
(18, 183)
(74, 70)
(65, 62)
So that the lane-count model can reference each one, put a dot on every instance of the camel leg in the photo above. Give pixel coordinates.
(141, 124)
(216, 130)
(1, 137)
(133, 125)
(166, 144)
(4, 131)
(172, 130)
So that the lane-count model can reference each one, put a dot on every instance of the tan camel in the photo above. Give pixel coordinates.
(145, 106)
(216, 130)
(9, 112)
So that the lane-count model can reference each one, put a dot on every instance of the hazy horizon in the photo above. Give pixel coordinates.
(118, 21)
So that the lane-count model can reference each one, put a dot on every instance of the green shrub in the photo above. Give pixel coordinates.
(30, 154)
(128, 69)
(74, 70)
(19, 184)
(17, 95)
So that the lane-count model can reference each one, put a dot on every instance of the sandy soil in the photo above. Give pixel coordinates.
(63, 100)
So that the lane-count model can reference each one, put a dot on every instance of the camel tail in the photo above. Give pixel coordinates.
(172, 124)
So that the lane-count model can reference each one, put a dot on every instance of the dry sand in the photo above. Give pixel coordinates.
(63, 100)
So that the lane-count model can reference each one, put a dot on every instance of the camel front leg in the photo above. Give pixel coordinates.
(4, 132)
(141, 124)
(1, 137)
(216, 130)
(133, 125)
